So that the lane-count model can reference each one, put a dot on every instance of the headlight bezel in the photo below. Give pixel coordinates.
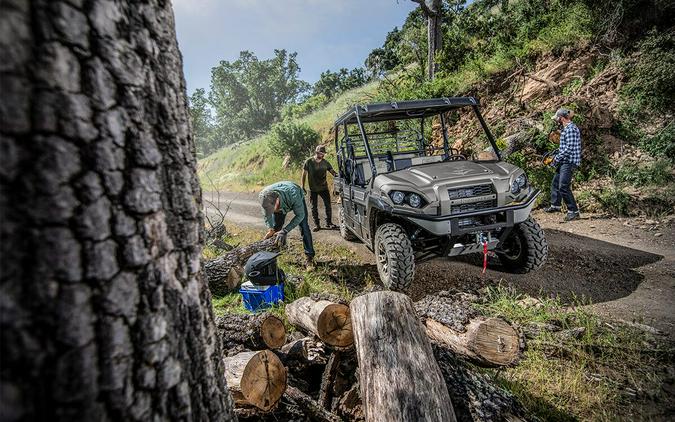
(518, 183)
(407, 199)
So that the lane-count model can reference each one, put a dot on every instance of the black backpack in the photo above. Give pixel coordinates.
(261, 268)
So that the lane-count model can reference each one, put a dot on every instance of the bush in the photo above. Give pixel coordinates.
(614, 199)
(657, 173)
(296, 140)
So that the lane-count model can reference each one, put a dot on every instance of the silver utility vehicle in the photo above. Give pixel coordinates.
(410, 195)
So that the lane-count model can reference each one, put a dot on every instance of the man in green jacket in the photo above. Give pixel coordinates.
(277, 200)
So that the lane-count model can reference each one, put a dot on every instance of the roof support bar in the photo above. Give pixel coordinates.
(446, 147)
(365, 141)
(487, 132)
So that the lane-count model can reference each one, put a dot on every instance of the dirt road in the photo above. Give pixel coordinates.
(622, 267)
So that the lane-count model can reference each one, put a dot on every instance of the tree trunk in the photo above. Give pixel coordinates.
(327, 320)
(256, 378)
(256, 332)
(104, 313)
(224, 273)
(398, 374)
(485, 341)
(434, 15)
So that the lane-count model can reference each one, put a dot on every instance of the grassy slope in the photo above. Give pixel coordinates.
(250, 165)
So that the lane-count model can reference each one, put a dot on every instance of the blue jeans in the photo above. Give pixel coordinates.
(561, 187)
(307, 244)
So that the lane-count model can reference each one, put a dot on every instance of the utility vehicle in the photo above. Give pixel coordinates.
(411, 195)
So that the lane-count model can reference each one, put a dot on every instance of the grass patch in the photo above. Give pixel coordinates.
(595, 376)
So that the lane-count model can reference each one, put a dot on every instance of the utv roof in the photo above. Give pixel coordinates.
(400, 110)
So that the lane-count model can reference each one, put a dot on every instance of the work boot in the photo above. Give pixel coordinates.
(331, 226)
(572, 215)
(316, 228)
(309, 262)
(552, 209)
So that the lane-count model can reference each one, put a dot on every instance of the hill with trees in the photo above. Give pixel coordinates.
(610, 62)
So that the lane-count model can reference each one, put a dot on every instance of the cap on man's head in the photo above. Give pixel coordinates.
(268, 201)
(562, 112)
(321, 149)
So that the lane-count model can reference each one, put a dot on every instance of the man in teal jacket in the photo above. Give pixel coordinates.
(279, 199)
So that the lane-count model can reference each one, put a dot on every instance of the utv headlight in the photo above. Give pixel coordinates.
(415, 200)
(518, 183)
(398, 197)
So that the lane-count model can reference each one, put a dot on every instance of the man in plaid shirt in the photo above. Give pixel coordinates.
(566, 161)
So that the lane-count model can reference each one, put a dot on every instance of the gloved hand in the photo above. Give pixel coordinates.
(280, 239)
(269, 234)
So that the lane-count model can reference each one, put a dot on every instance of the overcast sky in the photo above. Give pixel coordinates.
(326, 34)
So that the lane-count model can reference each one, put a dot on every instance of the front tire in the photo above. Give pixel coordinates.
(395, 257)
(525, 249)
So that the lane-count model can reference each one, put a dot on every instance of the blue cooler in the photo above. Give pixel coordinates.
(258, 297)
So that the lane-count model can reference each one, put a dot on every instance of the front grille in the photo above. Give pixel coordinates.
(473, 206)
(470, 191)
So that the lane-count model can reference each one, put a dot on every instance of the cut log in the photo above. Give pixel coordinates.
(452, 321)
(255, 332)
(255, 378)
(486, 341)
(223, 274)
(311, 407)
(327, 320)
(398, 374)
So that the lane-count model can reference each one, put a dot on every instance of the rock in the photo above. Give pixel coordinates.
(650, 222)
(530, 302)
(571, 334)
(658, 234)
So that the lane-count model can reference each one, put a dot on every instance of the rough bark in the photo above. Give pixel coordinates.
(255, 332)
(224, 273)
(399, 377)
(255, 378)
(104, 314)
(327, 320)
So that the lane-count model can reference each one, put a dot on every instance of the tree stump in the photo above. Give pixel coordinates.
(255, 378)
(327, 320)
(255, 332)
(398, 374)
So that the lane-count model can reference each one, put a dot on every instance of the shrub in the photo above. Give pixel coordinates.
(614, 199)
(657, 173)
(296, 140)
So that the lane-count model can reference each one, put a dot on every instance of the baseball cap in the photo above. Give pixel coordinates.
(562, 112)
(321, 149)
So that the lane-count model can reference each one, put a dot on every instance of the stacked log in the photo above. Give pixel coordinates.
(255, 378)
(254, 332)
(327, 320)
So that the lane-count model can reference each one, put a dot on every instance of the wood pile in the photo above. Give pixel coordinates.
(379, 358)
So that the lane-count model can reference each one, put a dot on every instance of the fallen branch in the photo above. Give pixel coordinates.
(311, 407)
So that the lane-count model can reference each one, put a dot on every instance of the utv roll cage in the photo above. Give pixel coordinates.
(396, 148)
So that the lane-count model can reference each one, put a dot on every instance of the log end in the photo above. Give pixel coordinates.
(335, 326)
(264, 380)
(273, 332)
(497, 342)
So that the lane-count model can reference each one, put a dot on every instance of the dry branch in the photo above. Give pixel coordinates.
(311, 407)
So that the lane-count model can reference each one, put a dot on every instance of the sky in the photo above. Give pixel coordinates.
(326, 34)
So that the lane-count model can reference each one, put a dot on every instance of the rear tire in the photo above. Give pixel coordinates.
(525, 249)
(395, 257)
(344, 231)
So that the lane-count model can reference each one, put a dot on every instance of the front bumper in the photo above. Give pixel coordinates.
(475, 221)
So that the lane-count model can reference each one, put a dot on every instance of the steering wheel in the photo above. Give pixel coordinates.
(455, 155)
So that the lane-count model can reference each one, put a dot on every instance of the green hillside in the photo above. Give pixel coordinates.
(251, 164)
